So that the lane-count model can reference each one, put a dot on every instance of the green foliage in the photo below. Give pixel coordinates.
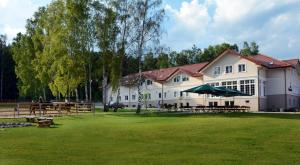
(212, 52)
(8, 86)
(149, 62)
(252, 49)
(162, 61)
(23, 55)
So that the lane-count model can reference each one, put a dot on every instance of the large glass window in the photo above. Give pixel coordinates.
(214, 84)
(230, 84)
(126, 97)
(247, 86)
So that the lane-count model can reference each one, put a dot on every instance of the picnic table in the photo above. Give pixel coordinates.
(216, 108)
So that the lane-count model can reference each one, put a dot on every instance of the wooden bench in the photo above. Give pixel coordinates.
(30, 119)
(44, 123)
(46, 118)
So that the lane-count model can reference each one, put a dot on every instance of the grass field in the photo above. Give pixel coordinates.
(124, 138)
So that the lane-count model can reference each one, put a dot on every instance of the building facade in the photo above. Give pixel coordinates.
(271, 83)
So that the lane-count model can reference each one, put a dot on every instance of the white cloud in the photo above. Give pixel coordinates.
(191, 15)
(273, 24)
(3, 3)
(14, 13)
(11, 31)
(191, 21)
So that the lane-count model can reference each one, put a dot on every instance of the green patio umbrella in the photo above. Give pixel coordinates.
(205, 89)
(230, 93)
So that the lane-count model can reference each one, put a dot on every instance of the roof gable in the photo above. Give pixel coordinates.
(226, 52)
(162, 75)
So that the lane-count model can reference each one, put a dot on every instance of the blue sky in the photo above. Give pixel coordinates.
(273, 24)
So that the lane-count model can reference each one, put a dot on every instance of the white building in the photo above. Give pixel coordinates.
(272, 84)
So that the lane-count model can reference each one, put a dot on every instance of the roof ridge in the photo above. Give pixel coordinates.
(292, 59)
(274, 59)
(174, 67)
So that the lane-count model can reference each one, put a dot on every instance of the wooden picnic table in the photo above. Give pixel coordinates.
(216, 108)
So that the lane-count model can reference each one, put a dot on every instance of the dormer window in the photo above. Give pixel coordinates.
(185, 78)
(228, 69)
(242, 68)
(176, 79)
(217, 70)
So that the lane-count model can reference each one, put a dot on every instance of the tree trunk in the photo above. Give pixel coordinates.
(44, 94)
(90, 82)
(76, 94)
(104, 90)
(86, 91)
(140, 54)
(1, 94)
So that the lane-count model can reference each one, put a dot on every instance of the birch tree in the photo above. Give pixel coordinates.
(148, 17)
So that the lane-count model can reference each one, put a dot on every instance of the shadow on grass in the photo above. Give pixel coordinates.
(209, 115)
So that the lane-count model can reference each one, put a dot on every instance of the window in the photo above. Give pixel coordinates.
(133, 97)
(263, 89)
(175, 94)
(126, 97)
(142, 82)
(214, 84)
(181, 94)
(149, 96)
(247, 86)
(228, 69)
(229, 103)
(111, 98)
(119, 97)
(159, 95)
(149, 82)
(242, 68)
(217, 70)
(165, 95)
(186, 94)
(176, 79)
(230, 84)
(185, 78)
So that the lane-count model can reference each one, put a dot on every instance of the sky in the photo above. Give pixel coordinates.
(273, 24)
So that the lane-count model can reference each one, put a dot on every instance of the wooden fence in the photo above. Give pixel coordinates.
(47, 109)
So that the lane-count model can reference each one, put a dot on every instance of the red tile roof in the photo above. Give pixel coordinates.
(269, 62)
(161, 75)
(293, 62)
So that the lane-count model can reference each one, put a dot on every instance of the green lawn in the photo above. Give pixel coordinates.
(124, 138)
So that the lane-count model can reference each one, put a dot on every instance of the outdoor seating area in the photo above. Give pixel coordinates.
(217, 91)
(48, 109)
(216, 109)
